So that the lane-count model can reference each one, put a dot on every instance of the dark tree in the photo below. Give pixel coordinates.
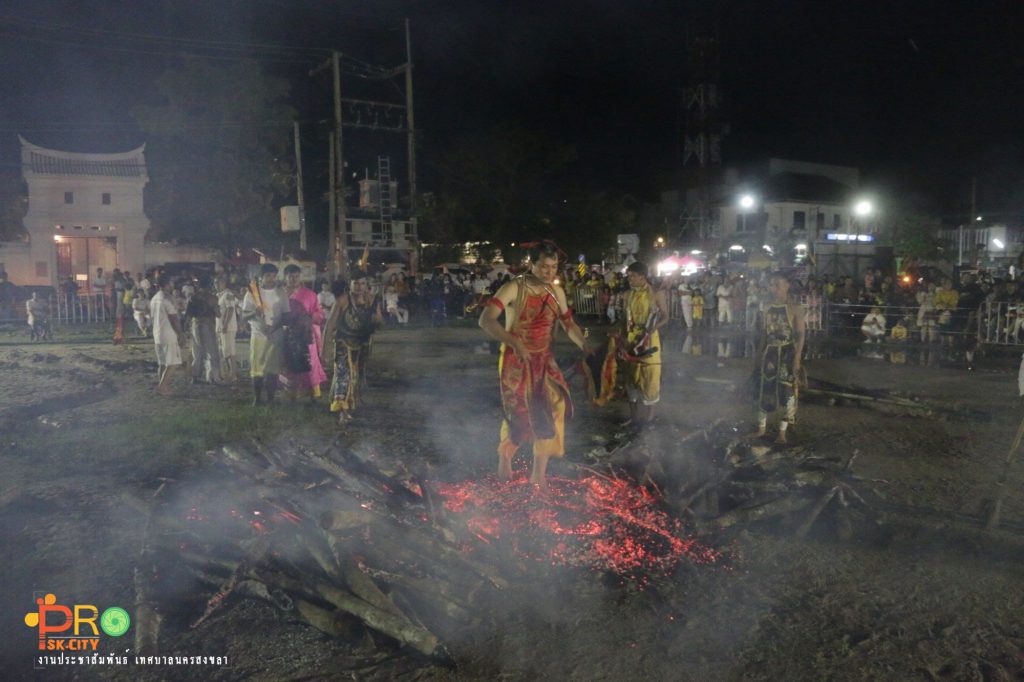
(496, 187)
(219, 152)
(13, 205)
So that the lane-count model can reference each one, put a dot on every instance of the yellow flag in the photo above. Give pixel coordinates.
(364, 260)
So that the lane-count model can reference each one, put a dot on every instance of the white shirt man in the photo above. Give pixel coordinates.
(38, 312)
(99, 282)
(326, 299)
(724, 293)
(481, 285)
(164, 314)
(686, 303)
(266, 343)
(873, 326)
(227, 324)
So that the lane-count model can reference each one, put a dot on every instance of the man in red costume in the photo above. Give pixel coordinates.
(534, 396)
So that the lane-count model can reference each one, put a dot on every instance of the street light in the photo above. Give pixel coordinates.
(747, 202)
(863, 208)
(659, 243)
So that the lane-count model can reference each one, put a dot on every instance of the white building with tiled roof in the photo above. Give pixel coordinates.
(85, 211)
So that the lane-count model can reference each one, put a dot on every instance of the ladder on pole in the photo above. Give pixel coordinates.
(386, 200)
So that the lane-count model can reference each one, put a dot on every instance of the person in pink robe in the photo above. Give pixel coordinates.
(306, 319)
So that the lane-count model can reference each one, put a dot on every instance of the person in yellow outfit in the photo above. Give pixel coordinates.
(646, 312)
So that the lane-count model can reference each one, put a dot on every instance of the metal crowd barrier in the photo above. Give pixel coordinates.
(845, 319)
(1001, 323)
(80, 309)
(587, 301)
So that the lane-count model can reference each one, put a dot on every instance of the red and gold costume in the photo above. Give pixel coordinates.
(534, 395)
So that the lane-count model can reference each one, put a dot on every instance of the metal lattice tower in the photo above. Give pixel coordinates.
(702, 138)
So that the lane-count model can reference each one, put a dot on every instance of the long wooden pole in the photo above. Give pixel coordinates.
(298, 186)
(332, 200)
(338, 239)
(410, 119)
(997, 504)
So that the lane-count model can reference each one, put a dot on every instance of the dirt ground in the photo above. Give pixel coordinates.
(83, 440)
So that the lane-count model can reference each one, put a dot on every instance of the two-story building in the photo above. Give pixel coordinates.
(791, 200)
(85, 211)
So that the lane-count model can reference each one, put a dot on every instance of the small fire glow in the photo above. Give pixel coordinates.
(598, 522)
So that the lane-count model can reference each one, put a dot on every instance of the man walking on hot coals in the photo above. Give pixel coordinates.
(646, 312)
(264, 308)
(534, 396)
(777, 371)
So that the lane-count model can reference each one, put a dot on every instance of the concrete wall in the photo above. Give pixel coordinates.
(781, 218)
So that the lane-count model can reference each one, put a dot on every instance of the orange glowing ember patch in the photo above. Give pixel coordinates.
(598, 522)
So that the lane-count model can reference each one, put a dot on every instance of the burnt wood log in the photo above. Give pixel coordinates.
(816, 510)
(334, 623)
(147, 618)
(761, 511)
(398, 628)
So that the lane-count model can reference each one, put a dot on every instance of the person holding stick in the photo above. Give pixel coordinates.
(646, 312)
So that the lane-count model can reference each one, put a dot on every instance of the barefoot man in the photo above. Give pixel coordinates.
(166, 333)
(778, 370)
(646, 312)
(534, 396)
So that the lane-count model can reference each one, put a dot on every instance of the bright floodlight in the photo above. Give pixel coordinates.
(801, 247)
(667, 265)
(978, 219)
(998, 243)
(863, 208)
(747, 201)
(735, 247)
(696, 252)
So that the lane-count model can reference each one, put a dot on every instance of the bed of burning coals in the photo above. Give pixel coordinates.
(350, 541)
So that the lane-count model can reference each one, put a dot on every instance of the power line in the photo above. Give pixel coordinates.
(155, 38)
(356, 67)
(164, 53)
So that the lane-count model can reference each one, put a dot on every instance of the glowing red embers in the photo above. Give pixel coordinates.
(597, 522)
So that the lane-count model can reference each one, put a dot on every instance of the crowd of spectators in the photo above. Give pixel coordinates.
(929, 308)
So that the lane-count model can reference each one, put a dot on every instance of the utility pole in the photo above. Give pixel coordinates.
(410, 124)
(298, 186)
(339, 254)
(973, 219)
(337, 262)
(332, 209)
(411, 138)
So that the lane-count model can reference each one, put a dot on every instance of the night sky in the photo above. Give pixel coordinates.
(920, 95)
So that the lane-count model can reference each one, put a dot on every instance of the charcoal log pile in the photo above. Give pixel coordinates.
(719, 480)
(329, 538)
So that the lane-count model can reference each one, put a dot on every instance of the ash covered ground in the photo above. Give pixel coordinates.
(85, 443)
